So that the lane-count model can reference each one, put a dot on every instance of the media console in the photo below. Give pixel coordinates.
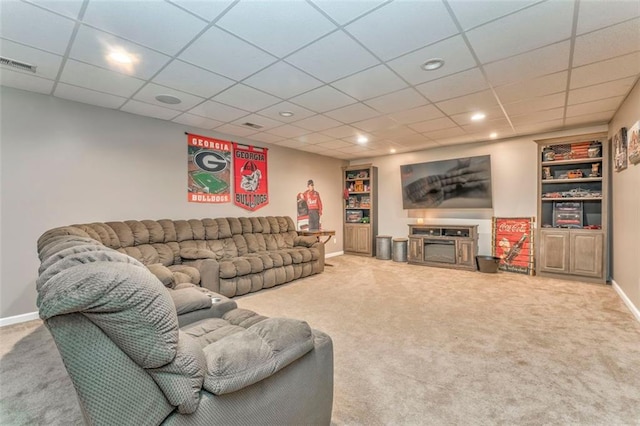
(445, 246)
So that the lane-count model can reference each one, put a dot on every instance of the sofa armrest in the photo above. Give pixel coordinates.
(304, 240)
(209, 273)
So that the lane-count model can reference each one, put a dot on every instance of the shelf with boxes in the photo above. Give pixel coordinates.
(360, 224)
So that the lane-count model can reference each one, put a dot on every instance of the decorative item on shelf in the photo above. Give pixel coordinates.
(363, 174)
(574, 174)
(546, 173)
(595, 170)
(354, 216)
(365, 202)
(359, 186)
(595, 149)
(353, 202)
(580, 150)
(351, 187)
(548, 155)
(365, 219)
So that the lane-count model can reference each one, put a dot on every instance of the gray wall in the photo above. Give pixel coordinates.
(64, 162)
(626, 209)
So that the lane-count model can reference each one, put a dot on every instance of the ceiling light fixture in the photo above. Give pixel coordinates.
(286, 113)
(168, 99)
(121, 57)
(433, 64)
(493, 135)
(478, 116)
(362, 139)
(392, 150)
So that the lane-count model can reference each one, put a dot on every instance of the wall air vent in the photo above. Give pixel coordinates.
(252, 125)
(17, 64)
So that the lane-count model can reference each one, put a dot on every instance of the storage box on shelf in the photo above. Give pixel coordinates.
(573, 207)
(360, 210)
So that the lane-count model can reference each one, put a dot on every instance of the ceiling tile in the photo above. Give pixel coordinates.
(403, 26)
(594, 15)
(266, 137)
(609, 104)
(93, 46)
(476, 102)
(600, 91)
(91, 77)
(485, 128)
(318, 123)
(260, 120)
(607, 43)
(345, 11)
(225, 54)
(539, 116)
(609, 70)
(540, 127)
(155, 24)
(341, 132)
(370, 83)
(288, 131)
(334, 144)
(274, 111)
(539, 86)
(539, 103)
(20, 80)
(284, 26)
(394, 102)
(245, 97)
(149, 92)
(313, 138)
(323, 99)
(376, 124)
(471, 13)
(531, 28)
(589, 119)
(234, 130)
(291, 143)
(547, 60)
(413, 139)
(208, 10)
(70, 8)
(455, 85)
(320, 58)
(432, 125)
(35, 27)
(353, 113)
(140, 108)
(454, 51)
(414, 115)
(197, 121)
(441, 135)
(86, 96)
(393, 132)
(218, 111)
(492, 114)
(282, 80)
(187, 78)
(48, 64)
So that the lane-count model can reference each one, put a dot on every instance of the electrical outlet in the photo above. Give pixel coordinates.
(335, 240)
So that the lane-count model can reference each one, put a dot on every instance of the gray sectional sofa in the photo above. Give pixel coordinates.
(161, 347)
(230, 256)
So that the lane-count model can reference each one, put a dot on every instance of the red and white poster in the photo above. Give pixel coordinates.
(208, 170)
(512, 242)
(250, 177)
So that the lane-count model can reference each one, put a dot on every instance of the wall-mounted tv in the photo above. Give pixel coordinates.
(463, 183)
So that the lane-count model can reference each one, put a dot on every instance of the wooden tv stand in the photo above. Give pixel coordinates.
(444, 246)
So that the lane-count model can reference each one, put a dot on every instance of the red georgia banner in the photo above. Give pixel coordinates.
(250, 177)
(208, 169)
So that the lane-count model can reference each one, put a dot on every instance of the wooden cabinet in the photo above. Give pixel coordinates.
(573, 207)
(446, 246)
(360, 209)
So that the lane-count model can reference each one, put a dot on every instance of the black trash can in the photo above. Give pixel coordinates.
(488, 264)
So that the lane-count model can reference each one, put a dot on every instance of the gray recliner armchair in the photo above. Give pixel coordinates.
(132, 361)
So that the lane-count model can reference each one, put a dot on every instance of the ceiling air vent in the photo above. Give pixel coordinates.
(252, 125)
(17, 64)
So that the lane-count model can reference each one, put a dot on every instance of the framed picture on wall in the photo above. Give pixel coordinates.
(620, 150)
(633, 143)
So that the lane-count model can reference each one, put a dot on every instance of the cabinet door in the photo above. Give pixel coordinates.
(465, 253)
(363, 240)
(586, 253)
(554, 251)
(415, 250)
(350, 238)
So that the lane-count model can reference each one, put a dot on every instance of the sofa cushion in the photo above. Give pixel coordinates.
(190, 271)
(163, 273)
(189, 300)
(196, 253)
(245, 358)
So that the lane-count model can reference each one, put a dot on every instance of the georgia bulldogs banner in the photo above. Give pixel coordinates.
(250, 177)
(209, 169)
(512, 242)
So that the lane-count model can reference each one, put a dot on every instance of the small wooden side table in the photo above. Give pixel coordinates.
(319, 233)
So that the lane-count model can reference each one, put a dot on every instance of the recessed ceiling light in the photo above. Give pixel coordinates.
(121, 57)
(493, 135)
(392, 150)
(478, 116)
(286, 113)
(362, 139)
(433, 64)
(168, 99)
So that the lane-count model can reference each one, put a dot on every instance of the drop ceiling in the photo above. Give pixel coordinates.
(345, 69)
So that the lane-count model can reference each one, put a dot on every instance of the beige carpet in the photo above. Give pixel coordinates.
(416, 345)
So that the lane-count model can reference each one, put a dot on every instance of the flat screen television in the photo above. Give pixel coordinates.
(462, 183)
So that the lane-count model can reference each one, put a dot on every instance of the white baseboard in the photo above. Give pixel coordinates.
(19, 318)
(334, 254)
(634, 310)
